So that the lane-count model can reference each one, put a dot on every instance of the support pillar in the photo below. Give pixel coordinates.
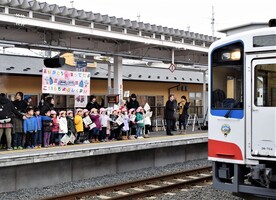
(109, 86)
(118, 76)
(205, 96)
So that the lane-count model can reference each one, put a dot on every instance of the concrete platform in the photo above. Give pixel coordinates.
(49, 166)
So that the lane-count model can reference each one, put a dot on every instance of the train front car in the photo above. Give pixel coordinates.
(242, 114)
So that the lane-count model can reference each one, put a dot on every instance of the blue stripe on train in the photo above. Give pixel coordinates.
(237, 114)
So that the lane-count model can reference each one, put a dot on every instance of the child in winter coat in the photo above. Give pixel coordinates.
(105, 125)
(86, 127)
(63, 127)
(30, 128)
(147, 122)
(38, 118)
(71, 125)
(95, 117)
(140, 122)
(125, 128)
(55, 128)
(78, 124)
(114, 127)
(46, 128)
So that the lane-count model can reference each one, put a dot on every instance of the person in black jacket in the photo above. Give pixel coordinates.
(48, 105)
(7, 109)
(132, 103)
(92, 104)
(17, 131)
(169, 114)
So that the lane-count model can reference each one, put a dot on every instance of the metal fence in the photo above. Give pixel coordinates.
(159, 111)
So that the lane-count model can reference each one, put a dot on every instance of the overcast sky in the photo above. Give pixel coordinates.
(182, 13)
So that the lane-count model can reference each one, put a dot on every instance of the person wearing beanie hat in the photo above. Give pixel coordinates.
(114, 126)
(105, 125)
(63, 127)
(139, 109)
(86, 126)
(125, 128)
(79, 124)
(53, 112)
(132, 102)
(95, 132)
(71, 126)
(55, 128)
(102, 110)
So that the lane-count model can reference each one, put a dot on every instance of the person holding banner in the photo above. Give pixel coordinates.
(63, 127)
(125, 128)
(86, 126)
(114, 126)
(105, 124)
(71, 126)
(95, 131)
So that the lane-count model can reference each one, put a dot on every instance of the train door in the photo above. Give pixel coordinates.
(264, 107)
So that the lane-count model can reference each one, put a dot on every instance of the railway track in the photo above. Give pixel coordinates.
(142, 188)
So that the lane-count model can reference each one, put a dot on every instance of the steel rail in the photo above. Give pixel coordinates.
(131, 184)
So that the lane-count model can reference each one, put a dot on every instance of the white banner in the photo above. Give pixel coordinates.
(55, 81)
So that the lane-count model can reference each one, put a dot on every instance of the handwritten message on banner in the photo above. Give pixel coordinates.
(56, 81)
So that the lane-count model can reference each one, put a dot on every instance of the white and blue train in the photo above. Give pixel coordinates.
(242, 114)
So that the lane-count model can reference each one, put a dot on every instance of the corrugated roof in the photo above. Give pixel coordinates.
(65, 12)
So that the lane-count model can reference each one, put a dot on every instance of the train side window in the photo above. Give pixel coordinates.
(265, 85)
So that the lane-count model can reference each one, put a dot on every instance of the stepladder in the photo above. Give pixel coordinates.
(192, 121)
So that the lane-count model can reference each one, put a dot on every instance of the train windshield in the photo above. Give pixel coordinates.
(227, 77)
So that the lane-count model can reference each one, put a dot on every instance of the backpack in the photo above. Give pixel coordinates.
(4, 114)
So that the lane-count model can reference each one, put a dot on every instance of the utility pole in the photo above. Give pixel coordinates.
(72, 3)
(138, 16)
(213, 21)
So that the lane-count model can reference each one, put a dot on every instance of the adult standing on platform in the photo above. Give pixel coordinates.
(18, 136)
(183, 107)
(132, 103)
(6, 110)
(169, 114)
(92, 104)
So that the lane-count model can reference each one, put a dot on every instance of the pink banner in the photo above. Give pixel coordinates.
(55, 81)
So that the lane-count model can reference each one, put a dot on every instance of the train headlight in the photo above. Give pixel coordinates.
(233, 55)
(225, 129)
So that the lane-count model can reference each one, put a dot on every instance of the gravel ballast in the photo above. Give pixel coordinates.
(197, 193)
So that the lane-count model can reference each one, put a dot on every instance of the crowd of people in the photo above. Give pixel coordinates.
(27, 126)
